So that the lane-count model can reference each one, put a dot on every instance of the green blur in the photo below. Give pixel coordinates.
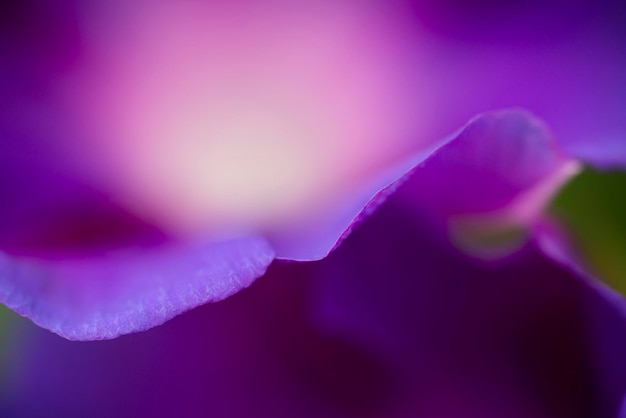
(593, 209)
(7, 346)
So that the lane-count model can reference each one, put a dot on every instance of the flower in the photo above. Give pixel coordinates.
(130, 121)
(109, 294)
(150, 166)
(179, 140)
(397, 322)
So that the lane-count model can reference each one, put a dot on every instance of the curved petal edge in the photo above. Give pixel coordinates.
(108, 296)
(502, 163)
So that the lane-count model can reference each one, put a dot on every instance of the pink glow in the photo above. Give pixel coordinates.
(246, 115)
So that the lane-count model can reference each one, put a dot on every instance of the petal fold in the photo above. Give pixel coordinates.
(502, 164)
(496, 158)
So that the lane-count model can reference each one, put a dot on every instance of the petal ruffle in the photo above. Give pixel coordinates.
(107, 296)
(503, 160)
(497, 158)
(316, 239)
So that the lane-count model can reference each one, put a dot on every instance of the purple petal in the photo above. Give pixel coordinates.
(316, 239)
(496, 158)
(105, 296)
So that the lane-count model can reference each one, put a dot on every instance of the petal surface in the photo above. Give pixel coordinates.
(102, 297)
